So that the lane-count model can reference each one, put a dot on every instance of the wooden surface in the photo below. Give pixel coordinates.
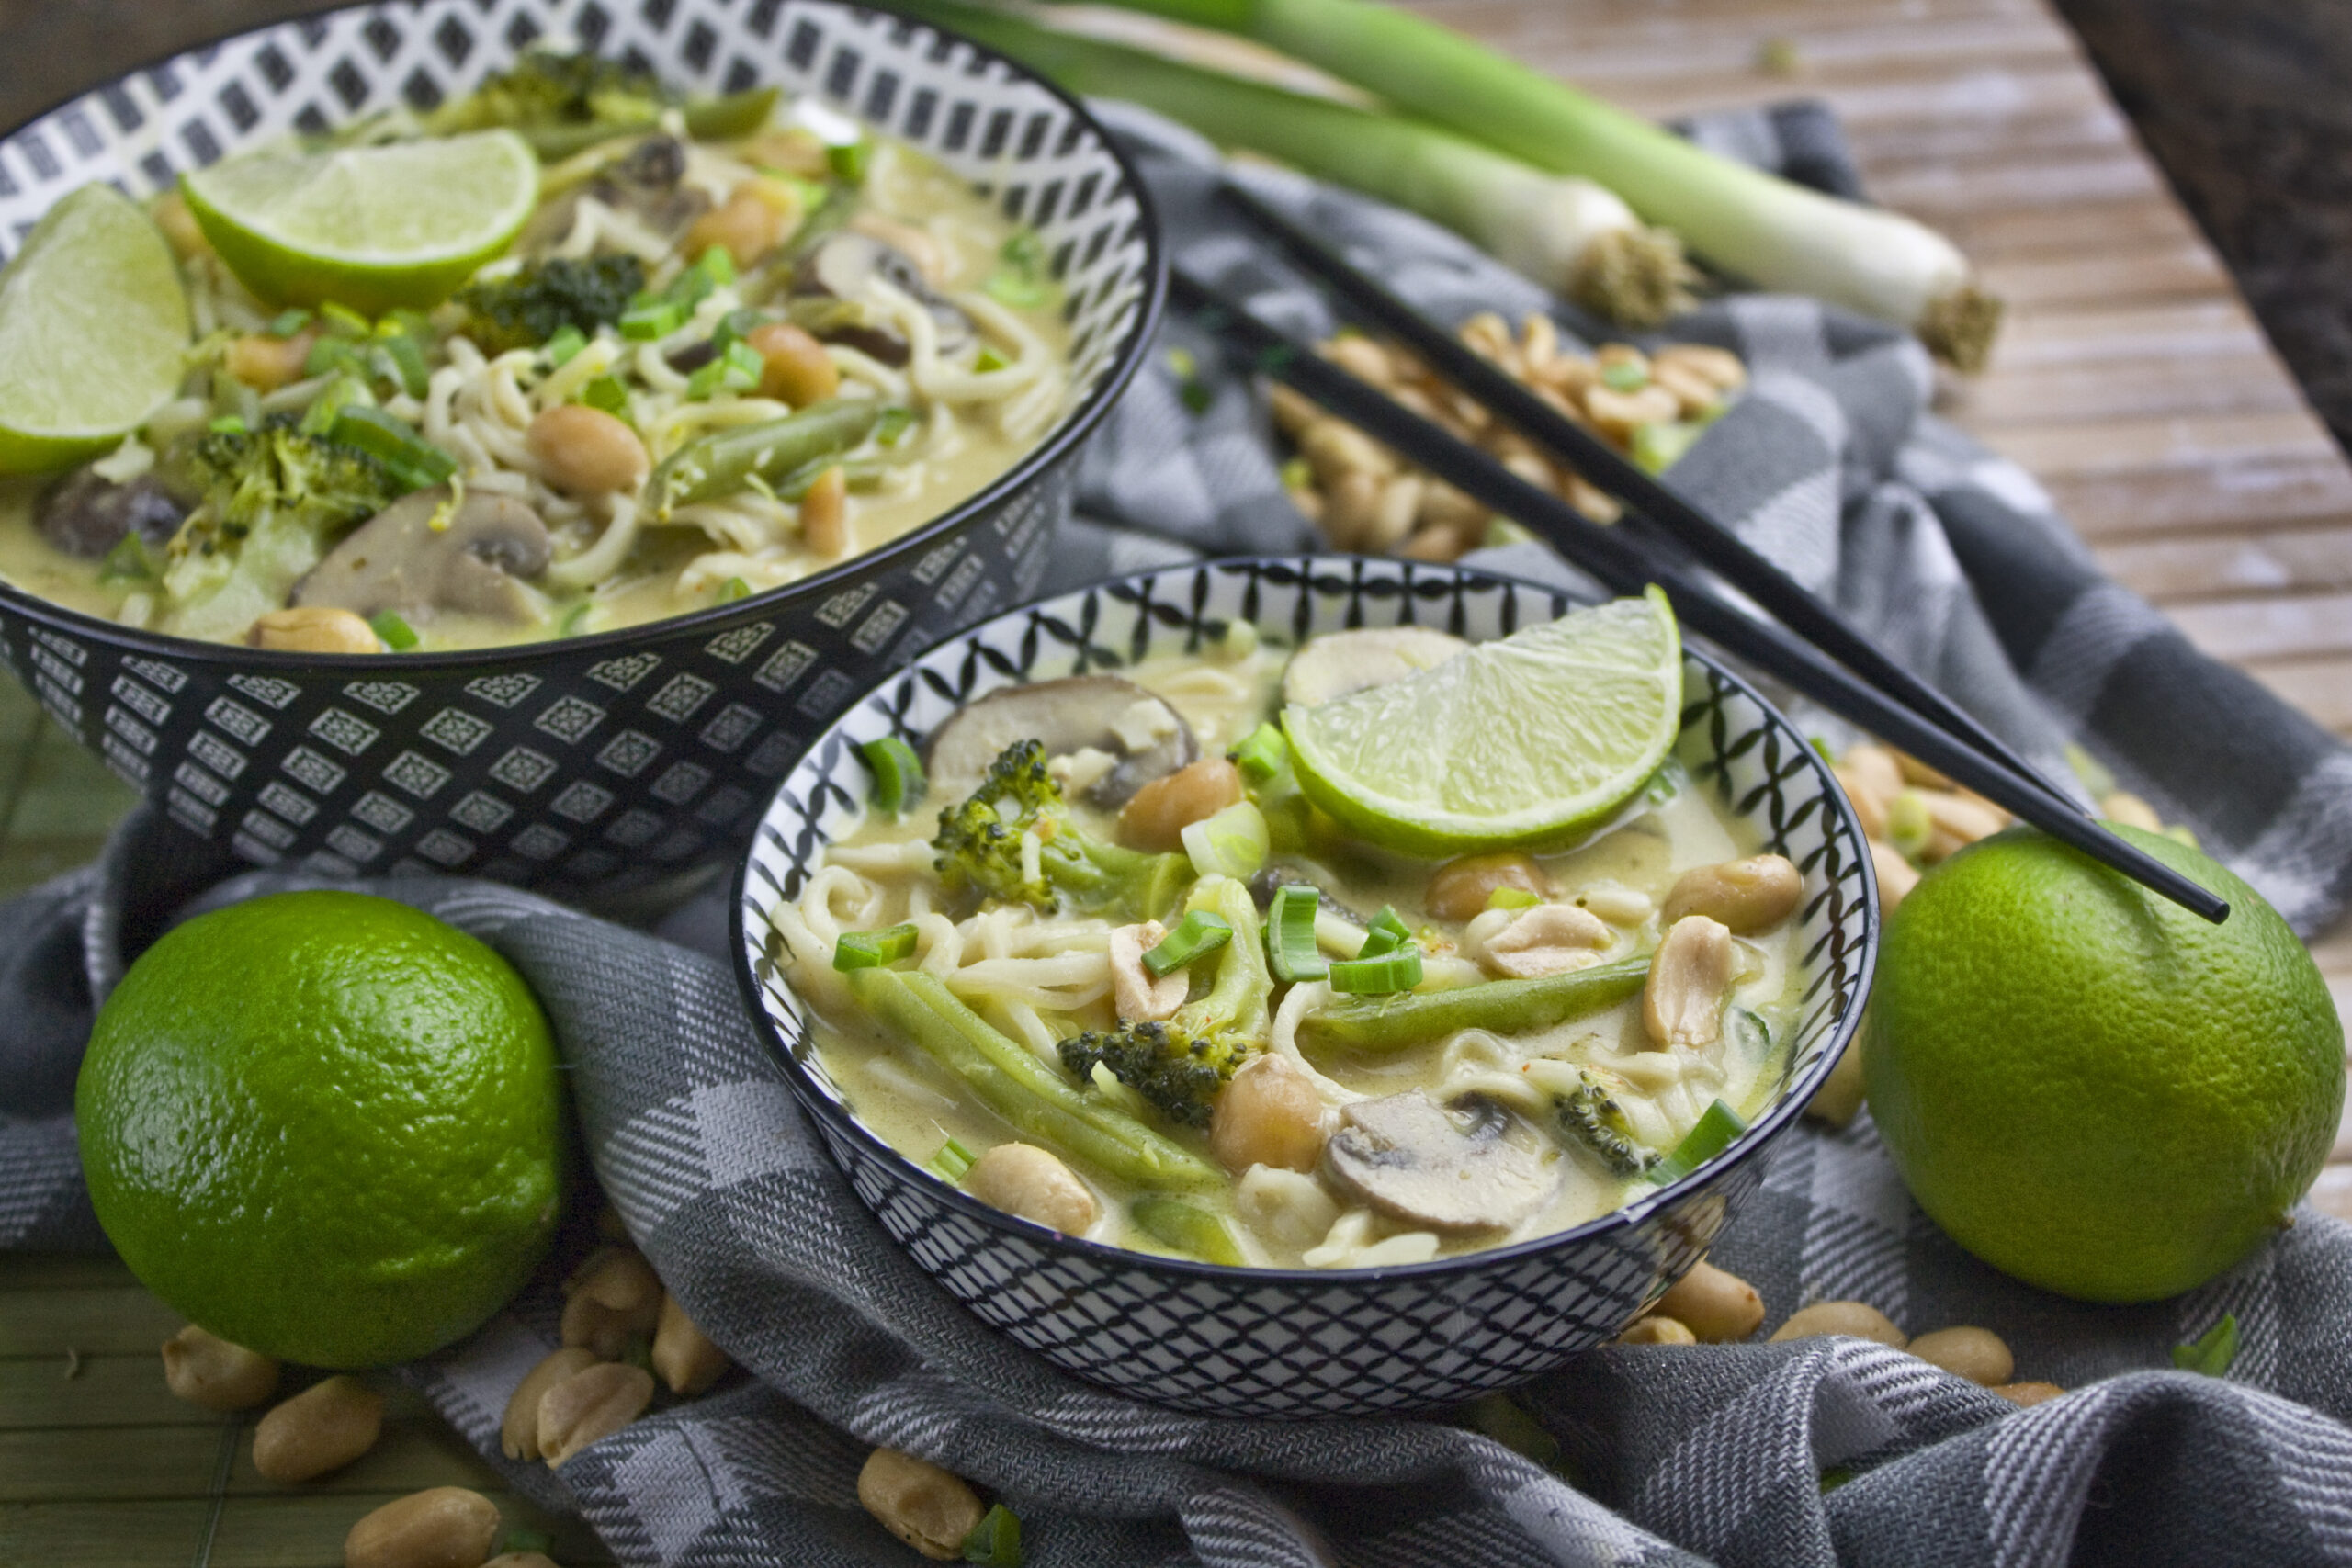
(2132, 379)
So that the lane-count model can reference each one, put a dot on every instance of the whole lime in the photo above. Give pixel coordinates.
(2088, 1086)
(325, 1126)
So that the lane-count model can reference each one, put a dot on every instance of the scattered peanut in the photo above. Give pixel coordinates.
(795, 151)
(1270, 1115)
(612, 1299)
(1978, 1353)
(518, 1434)
(824, 512)
(206, 1370)
(1857, 1319)
(1955, 822)
(446, 1526)
(1744, 896)
(170, 211)
(1690, 974)
(323, 1427)
(2131, 811)
(585, 451)
(922, 1505)
(1137, 994)
(1459, 889)
(313, 628)
(793, 366)
(1717, 1307)
(1896, 877)
(2028, 1394)
(1549, 939)
(589, 1405)
(1350, 508)
(1023, 1179)
(1840, 1094)
(1155, 816)
(747, 226)
(683, 1356)
(266, 362)
(1658, 1330)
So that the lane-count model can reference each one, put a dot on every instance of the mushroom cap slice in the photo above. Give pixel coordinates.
(398, 561)
(1338, 663)
(87, 514)
(1457, 1167)
(1104, 711)
(840, 265)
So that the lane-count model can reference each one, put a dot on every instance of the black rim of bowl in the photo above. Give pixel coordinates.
(1058, 442)
(1790, 1105)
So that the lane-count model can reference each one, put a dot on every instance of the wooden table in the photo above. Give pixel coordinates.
(2132, 379)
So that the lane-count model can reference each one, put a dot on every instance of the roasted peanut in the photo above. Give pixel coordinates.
(824, 512)
(206, 1370)
(1618, 414)
(2028, 1394)
(518, 1434)
(1857, 1319)
(1896, 876)
(323, 1427)
(1137, 996)
(1391, 519)
(1617, 904)
(1691, 973)
(1592, 501)
(1294, 414)
(1270, 1115)
(612, 1299)
(782, 196)
(1442, 506)
(1955, 822)
(1432, 544)
(1331, 449)
(170, 211)
(1869, 805)
(1459, 889)
(1693, 394)
(922, 1505)
(1028, 1181)
(2130, 810)
(1350, 509)
(794, 151)
(1718, 1307)
(683, 1354)
(589, 1405)
(1155, 818)
(1549, 939)
(1840, 1094)
(1490, 336)
(1658, 1330)
(1918, 774)
(1361, 357)
(744, 224)
(1875, 770)
(266, 362)
(1539, 343)
(1719, 367)
(794, 367)
(1978, 1353)
(446, 1526)
(1744, 895)
(1531, 466)
(585, 451)
(313, 628)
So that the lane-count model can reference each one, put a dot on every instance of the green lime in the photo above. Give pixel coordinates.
(371, 228)
(325, 1126)
(92, 325)
(2088, 1086)
(1519, 743)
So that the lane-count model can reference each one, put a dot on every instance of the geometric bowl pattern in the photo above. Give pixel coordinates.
(1302, 1342)
(596, 762)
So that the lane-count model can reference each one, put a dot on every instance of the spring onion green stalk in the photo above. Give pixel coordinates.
(898, 779)
(1505, 1006)
(392, 631)
(871, 950)
(1194, 1232)
(1749, 223)
(1715, 1132)
(1570, 234)
(1198, 934)
(1263, 755)
(1291, 951)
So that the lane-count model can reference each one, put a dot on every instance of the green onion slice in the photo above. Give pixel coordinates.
(898, 779)
(1396, 970)
(128, 561)
(1511, 898)
(606, 393)
(734, 588)
(995, 1542)
(1199, 932)
(658, 319)
(1385, 934)
(345, 322)
(286, 323)
(1263, 755)
(2211, 1352)
(952, 1161)
(397, 634)
(1291, 951)
(563, 348)
(873, 950)
(1716, 1129)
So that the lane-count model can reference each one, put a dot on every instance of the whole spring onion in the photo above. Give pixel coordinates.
(1567, 233)
(1749, 223)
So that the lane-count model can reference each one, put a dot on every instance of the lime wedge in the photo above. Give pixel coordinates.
(1519, 744)
(93, 324)
(368, 227)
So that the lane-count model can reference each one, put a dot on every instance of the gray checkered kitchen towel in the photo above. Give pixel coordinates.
(1678, 1455)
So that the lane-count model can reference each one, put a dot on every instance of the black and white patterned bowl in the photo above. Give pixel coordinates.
(1301, 1343)
(595, 763)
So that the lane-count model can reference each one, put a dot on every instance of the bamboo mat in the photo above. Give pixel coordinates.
(2130, 379)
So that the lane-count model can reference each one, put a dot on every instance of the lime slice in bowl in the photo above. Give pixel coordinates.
(93, 326)
(1522, 743)
(371, 228)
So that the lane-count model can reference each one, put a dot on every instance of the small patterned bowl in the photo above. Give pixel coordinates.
(592, 764)
(1308, 1343)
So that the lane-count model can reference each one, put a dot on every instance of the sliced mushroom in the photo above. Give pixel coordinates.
(1457, 1167)
(840, 267)
(1148, 737)
(87, 514)
(1339, 663)
(398, 561)
(647, 183)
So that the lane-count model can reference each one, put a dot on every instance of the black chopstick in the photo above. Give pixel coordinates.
(1623, 568)
(1713, 544)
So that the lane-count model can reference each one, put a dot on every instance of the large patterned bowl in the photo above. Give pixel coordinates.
(589, 764)
(1298, 1343)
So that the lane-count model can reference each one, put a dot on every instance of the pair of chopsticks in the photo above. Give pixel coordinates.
(1813, 648)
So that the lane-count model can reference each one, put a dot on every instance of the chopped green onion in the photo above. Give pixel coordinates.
(1820, 744)
(575, 619)
(729, 117)
(734, 588)
(1385, 934)
(329, 354)
(1234, 842)
(734, 327)
(407, 361)
(563, 348)
(648, 322)
(898, 779)
(1624, 376)
(896, 421)
(1298, 474)
(129, 560)
(1196, 1232)
(1011, 288)
(397, 634)
(410, 458)
(1718, 1126)
(1291, 951)
(871, 950)
(227, 424)
(1263, 755)
(1658, 446)
(2211, 1352)
(952, 1161)
(606, 393)
(736, 369)
(1399, 969)
(1908, 826)
(717, 263)
(990, 358)
(995, 1542)
(1511, 898)
(1197, 933)
(286, 323)
(345, 322)
(848, 160)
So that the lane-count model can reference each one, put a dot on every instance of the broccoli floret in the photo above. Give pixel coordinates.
(980, 846)
(1590, 1113)
(525, 310)
(1181, 1066)
(547, 88)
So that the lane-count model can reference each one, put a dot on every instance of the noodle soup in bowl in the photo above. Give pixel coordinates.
(643, 659)
(1483, 1196)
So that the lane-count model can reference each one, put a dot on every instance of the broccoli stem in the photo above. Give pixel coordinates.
(1019, 1088)
(1504, 1007)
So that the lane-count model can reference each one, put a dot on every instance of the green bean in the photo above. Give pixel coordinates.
(1505, 1006)
(1194, 1232)
(725, 462)
(1010, 1081)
